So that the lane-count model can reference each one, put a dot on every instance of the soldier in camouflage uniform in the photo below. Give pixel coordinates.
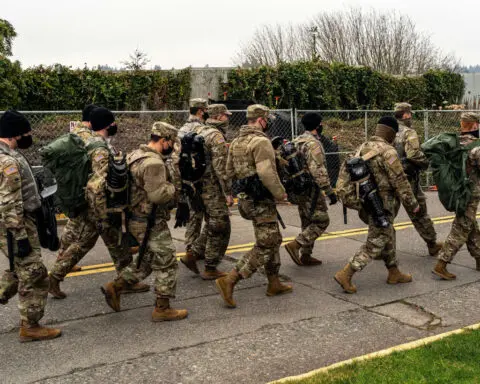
(251, 153)
(413, 160)
(216, 195)
(464, 228)
(198, 115)
(82, 232)
(313, 225)
(19, 201)
(393, 188)
(152, 186)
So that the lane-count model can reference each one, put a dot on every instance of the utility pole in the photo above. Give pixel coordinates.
(314, 32)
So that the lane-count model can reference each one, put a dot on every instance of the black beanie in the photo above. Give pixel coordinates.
(87, 110)
(13, 123)
(311, 121)
(390, 122)
(101, 118)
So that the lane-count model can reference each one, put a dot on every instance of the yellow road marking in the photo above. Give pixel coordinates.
(107, 267)
(373, 355)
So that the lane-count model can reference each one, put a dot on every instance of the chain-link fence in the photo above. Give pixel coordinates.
(350, 128)
(134, 126)
(344, 130)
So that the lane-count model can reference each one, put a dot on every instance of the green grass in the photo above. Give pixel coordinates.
(455, 359)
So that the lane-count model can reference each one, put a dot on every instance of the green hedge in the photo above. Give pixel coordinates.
(318, 85)
(61, 88)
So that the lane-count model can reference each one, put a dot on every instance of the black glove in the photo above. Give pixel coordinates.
(333, 198)
(183, 214)
(24, 248)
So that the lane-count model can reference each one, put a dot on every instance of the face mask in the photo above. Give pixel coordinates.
(319, 130)
(25, 142)
(407, 122)
(474, 133)
(205, 116)
(267, 127)
(112, 130)
(167, 151)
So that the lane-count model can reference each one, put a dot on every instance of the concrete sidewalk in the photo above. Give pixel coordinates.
(261, 340)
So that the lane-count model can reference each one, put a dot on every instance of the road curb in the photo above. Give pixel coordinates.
(381, 353)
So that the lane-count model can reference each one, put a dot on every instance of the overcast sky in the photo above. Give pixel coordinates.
(181, 33)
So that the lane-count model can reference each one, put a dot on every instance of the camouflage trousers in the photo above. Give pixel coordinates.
(312, 225)
(422, 221)
(380, 244)
(266, 251)
(215, 236)
(29, 279)
(80, 235)
(464, 230)
(159, 258)
(193, 228)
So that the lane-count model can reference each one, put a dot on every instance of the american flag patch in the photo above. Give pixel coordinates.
(99, 157)
(391, 160)
(10, 170)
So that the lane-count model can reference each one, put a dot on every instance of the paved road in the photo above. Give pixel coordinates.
(261, 340)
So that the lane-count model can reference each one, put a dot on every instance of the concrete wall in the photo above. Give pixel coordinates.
(206, 82)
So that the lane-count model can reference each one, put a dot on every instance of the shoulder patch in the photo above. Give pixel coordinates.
(99, 157)
(317, 151)
(219, 139)
(10, 170)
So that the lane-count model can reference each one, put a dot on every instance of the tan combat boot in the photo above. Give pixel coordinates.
(441, 271)
(190, 261)
(54, 288)
(163, 312)
(344, 278)
(275, 287)
(226, 284)
(396, 277)
(293, 249)
(35, 332)
(434, 248)
(308, 261)
(135, 288)
(112, 292)
(75, 268)
(212, 274)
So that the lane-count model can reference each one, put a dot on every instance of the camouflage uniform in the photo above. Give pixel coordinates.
(82, 232)
(152, 185)
(194, 225)
(465, 228)
(19, 200)
(407, 144)
(252, 153)
(313, 225)
(83, 131)
(393, 188)
(213, 241)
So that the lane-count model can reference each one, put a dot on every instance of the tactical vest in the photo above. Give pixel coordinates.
(301, 143)
(189, 126)
(30, 194)
(243, 163)
(206, 131)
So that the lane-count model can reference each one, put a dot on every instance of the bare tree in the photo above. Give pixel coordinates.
(136, 61)
(7, 34)
(388, 42)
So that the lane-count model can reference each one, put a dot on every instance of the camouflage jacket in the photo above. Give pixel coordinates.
(18, 191)
(387, 170)
(152, 183)
(216, 154)
(83, 131)
(407, 144)
(252, 153)
(473, 162)
(312, 150)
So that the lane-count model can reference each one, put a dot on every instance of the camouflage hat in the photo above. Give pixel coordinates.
(403, 107)
(162, 129)
(218, 109)
(258, 110)
(198, 103)
(470, 117)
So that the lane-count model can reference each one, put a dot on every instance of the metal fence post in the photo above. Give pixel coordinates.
(425, 124)
(366, 125)
(292, 122)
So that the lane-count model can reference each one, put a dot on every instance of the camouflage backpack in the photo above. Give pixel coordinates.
(347, 190)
